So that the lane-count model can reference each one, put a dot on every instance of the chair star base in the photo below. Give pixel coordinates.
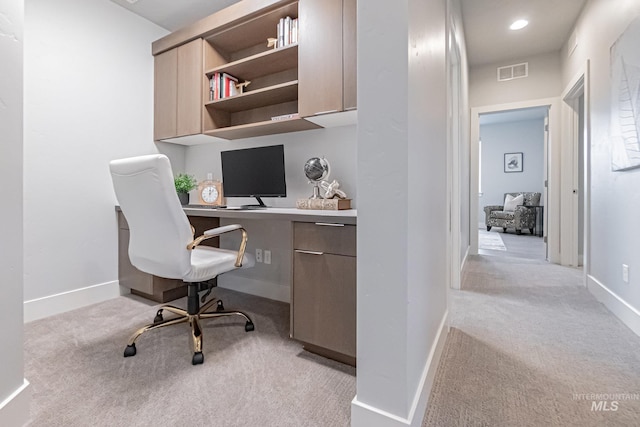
(194, 314)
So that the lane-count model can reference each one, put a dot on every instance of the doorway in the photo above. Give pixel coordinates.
(512, 160)
(550, 173)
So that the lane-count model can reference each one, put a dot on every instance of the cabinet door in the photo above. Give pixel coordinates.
(349, 54)
(189, 83)
(319, 57)
(324, 301)
(165, 94)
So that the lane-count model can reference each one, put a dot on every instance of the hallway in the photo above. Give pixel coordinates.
(526, 343)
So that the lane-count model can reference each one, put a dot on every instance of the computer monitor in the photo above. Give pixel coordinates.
(254, 172)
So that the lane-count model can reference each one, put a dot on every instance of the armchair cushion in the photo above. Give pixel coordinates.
(511, 202)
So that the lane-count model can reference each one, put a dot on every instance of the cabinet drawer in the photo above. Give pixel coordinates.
(337, 239)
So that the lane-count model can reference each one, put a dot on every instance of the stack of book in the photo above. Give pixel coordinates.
(287, 32)
(222, 85)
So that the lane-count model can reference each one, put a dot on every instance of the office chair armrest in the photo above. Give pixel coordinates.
(215, 232)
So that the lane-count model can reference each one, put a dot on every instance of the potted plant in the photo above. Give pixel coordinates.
(184, 183)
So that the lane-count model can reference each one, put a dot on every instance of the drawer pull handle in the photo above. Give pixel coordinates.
(309, 252)
(329, 224)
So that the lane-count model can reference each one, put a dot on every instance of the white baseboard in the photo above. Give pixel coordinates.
(363, 415)
(622, 309)
(59, 303)
(14, 410)
(274, 291)
(464, 259)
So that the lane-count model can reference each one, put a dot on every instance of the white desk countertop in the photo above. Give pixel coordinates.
(347, 216)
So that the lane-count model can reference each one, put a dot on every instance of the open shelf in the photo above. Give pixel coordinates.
(257, 98)
(253, 31)
(269, 62)
(268, 127)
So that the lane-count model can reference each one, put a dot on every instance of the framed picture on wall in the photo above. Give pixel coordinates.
(512, 162)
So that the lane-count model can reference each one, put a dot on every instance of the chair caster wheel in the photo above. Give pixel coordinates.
(130, 350)
(198, 358)
(248, 327)
(158, 317)
(220, 306)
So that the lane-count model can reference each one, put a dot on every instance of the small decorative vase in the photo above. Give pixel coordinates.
(184, 198)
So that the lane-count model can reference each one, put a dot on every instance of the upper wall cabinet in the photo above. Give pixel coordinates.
(178, 91)
(247, 87)
(327, 56)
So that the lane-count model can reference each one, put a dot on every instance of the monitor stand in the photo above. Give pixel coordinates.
(260, 205)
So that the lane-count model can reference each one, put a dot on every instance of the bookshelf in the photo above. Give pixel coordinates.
(287, 84)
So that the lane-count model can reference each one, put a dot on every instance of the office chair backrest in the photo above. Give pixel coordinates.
(159, 228)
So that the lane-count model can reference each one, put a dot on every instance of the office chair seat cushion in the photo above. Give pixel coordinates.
(208, 262)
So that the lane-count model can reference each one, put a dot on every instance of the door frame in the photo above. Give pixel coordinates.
(577, 86)
(551, 193)
(454, 135)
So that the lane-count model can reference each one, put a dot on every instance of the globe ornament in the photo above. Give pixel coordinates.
(316, 169)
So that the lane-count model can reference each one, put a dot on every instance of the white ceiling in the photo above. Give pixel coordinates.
(174, 14)
(486, 23)
(489, 39)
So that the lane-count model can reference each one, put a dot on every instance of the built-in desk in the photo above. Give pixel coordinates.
(284, 214)
(323, 286)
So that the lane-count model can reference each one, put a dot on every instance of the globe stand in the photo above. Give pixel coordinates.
(316, 191)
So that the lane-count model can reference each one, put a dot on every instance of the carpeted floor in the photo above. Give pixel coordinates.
(490, 241)
(526, 341)
(80, 378)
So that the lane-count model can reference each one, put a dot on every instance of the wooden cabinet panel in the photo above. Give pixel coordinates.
(320, 57)
(324, 301)
(178, 91)
(165, 95)
(189, 83)
(349, 54)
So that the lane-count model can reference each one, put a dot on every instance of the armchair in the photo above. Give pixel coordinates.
(162, 243)
(521, 217)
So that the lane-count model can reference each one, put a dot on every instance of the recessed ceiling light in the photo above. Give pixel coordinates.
(132, 1)
(519, 24)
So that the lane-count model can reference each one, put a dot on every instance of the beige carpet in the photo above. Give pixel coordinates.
(526, 341)
(80, 378)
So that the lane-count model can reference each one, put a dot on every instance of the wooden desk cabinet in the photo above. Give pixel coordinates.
(323, 303)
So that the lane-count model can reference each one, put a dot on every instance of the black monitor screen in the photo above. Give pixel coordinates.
(254, 172)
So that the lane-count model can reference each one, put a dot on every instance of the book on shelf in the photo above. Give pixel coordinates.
(286, 31)
(222, 85)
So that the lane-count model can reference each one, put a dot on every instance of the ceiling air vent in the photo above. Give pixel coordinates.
(511, 72)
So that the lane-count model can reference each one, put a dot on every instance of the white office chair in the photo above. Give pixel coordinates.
(162, 243)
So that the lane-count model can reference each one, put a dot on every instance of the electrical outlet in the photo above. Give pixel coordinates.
(625, 273)
(258, 255)
(267, 257)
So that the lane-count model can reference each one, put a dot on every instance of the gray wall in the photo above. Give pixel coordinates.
(338, 145)
(614, 201)
(543, 81)
(526, 137)
(11, 242)
(401, 261)
(88, 100)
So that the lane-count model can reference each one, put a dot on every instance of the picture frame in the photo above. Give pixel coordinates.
(513, 162)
